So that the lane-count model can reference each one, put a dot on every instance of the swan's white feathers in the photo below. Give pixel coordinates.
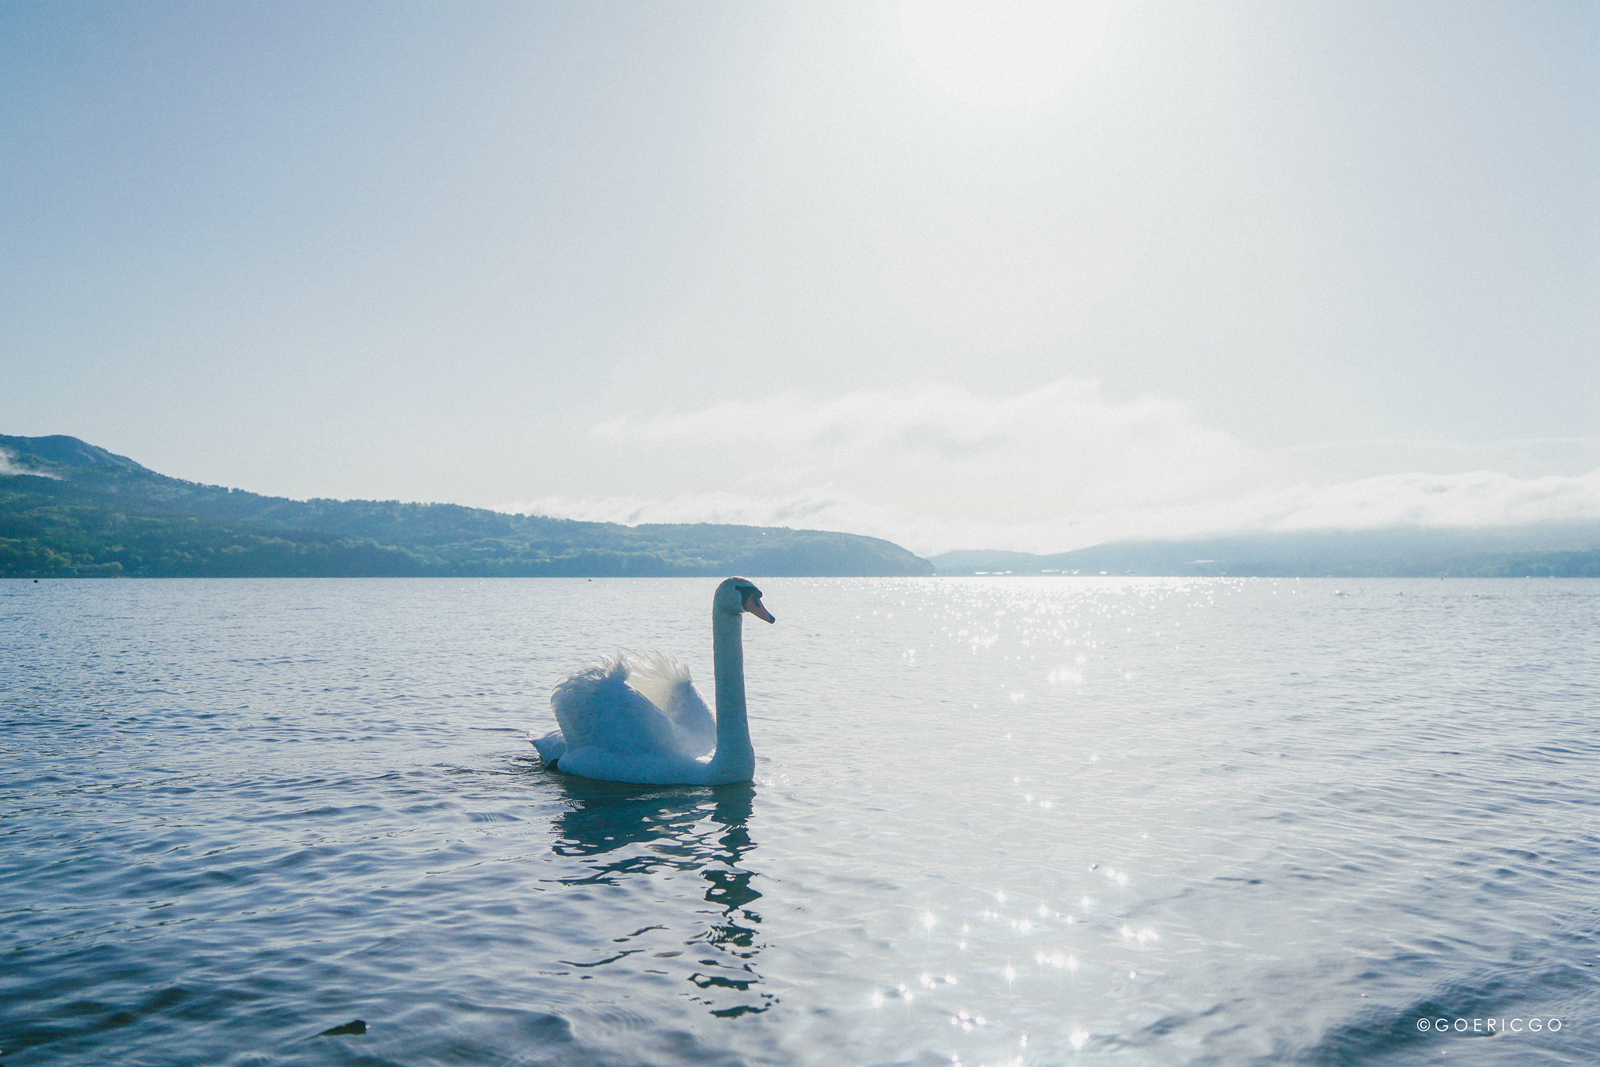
(637, 718)
(552, 746)
(631, 704)
(665, 682)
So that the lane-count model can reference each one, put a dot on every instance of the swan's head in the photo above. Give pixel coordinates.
(737, 595)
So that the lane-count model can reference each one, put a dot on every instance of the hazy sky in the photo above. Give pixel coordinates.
(1002, 274)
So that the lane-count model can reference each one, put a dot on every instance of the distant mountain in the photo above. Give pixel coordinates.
(1563, 551)
(68, 508)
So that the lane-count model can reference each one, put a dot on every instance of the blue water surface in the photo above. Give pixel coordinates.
(996, 821)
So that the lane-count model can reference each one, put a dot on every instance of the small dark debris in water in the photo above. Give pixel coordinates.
(354, 1026)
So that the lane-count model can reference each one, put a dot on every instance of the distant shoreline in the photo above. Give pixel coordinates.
(72, 509)
(69, 509)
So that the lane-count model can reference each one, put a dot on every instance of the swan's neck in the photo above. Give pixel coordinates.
(735, 759)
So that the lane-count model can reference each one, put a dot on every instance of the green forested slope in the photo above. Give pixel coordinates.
(1547, 551)
(71, 508)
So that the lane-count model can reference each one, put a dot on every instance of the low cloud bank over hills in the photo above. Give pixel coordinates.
(1058, 468)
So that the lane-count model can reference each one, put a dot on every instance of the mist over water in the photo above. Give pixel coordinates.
(996, 821)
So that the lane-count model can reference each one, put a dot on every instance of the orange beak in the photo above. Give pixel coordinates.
(753, 606)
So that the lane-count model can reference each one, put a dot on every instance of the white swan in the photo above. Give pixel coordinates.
(633, 718)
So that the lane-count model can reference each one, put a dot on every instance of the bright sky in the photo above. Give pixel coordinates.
(1004, 274)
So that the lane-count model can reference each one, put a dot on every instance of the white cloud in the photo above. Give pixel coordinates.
(946, 451)
(8, 466)
(1470, 499)
(1522, 458)
(1057, 468)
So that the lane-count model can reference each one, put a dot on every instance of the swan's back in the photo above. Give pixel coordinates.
(665, 682)
(633, 704)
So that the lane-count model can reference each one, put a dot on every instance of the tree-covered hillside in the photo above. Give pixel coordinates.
(69, 508)
(1546, 551)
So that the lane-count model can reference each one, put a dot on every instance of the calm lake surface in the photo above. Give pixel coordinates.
(996, 821)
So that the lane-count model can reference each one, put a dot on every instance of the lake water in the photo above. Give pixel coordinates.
(996, 821)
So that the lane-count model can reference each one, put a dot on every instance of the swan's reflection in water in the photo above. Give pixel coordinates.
(627, 831)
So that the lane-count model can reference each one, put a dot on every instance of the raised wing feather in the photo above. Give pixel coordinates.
(597, 708)
(666, 683)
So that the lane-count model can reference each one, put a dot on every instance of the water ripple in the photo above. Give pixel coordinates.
(1196, 821)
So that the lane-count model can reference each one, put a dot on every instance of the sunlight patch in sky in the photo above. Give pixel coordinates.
(1004, 53)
